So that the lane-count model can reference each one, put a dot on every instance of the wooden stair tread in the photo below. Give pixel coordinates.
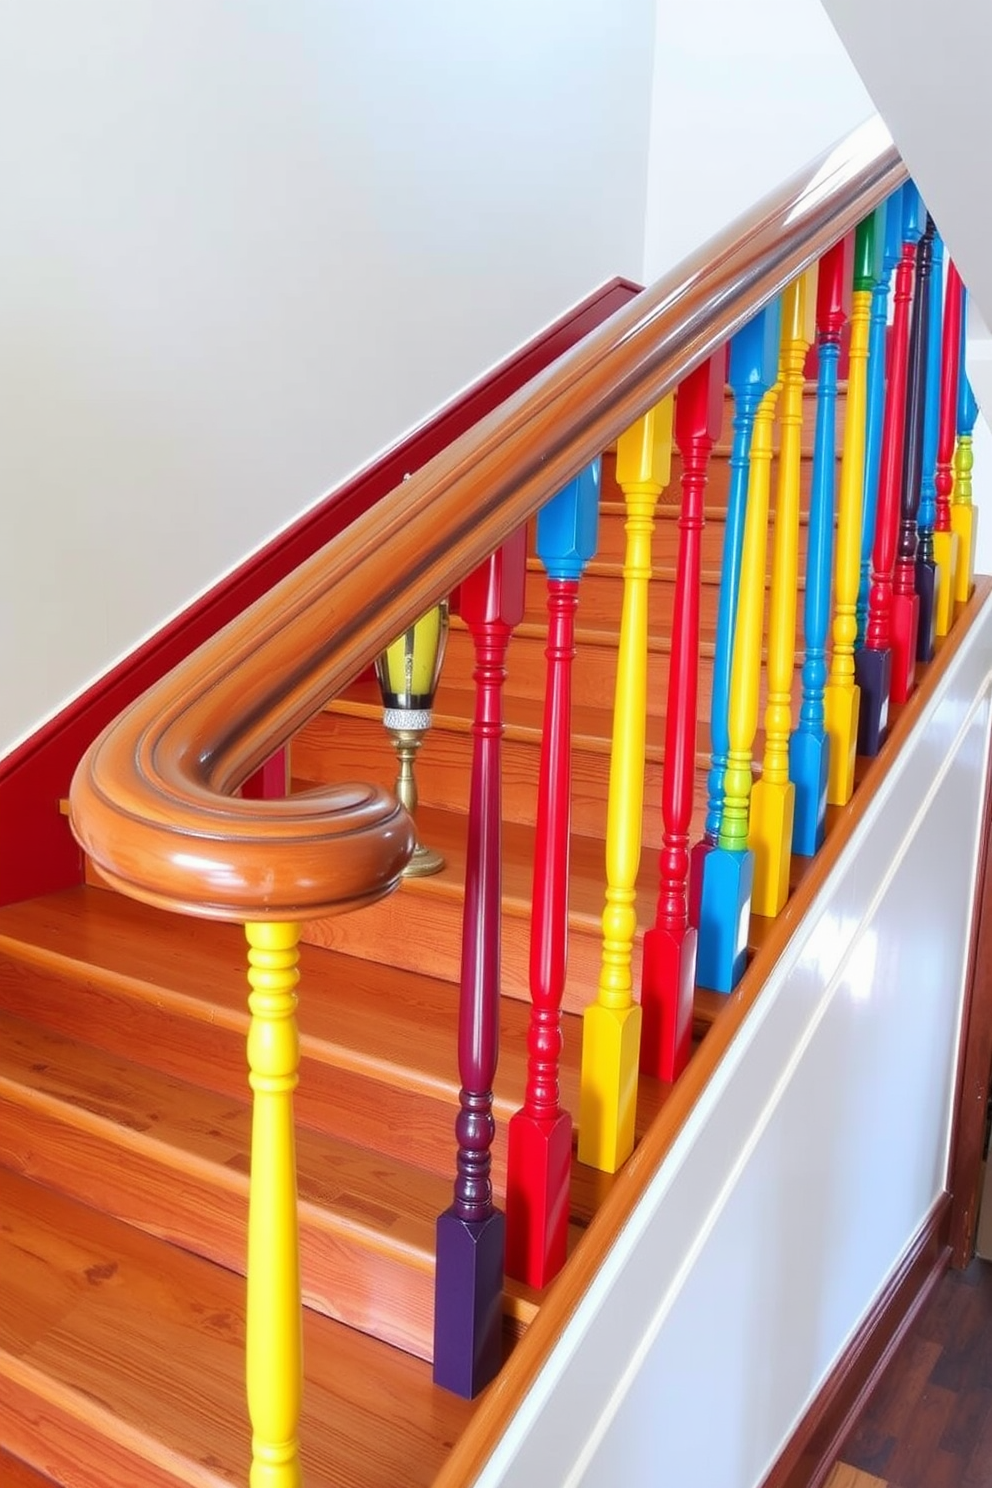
(17, 1474)
(592, 727)
(140, 1348)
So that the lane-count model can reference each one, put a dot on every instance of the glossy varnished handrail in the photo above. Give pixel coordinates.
(507, 1393)
(153, 800)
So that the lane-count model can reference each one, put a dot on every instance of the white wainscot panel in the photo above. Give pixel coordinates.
(803, 1175)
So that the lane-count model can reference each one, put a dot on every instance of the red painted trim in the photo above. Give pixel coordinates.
(813, 1447)
(37, 852)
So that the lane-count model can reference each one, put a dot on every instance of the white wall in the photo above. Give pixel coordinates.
(736, 111)
(926, 69)
(246, 246)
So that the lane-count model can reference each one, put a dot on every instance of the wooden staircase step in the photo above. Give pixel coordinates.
(378, 1044)
(172, 1158)
(600, 596)
(347, 742)
(122, 1362)
(15, 1473)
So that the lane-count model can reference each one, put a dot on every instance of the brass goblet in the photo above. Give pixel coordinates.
(408, 672)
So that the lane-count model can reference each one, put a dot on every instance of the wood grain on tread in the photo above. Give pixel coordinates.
(135, 1374)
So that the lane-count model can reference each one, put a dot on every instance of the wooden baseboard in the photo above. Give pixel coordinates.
(813, 1447)
(39, 854)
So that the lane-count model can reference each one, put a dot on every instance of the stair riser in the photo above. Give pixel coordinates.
(204, 1208)
(334, 747)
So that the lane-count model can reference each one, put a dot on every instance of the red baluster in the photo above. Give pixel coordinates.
(470, 1235)
(669, 970)
(873, 663)
(540, 1139)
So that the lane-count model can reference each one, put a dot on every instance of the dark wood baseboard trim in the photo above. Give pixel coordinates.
(813, 1447)
(38, 853)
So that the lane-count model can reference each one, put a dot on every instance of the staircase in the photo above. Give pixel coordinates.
(125, 1132)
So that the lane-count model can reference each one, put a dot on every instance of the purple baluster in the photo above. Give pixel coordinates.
(468, 1293)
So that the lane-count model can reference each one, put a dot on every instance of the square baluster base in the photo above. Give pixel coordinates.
(841, 707)
(611, 1046)
(539, 1170)
(945, 553)
(770, 839)
(905, 628)
(809, 759)
(468, 1302)
(873, 670)
(964, 522)
(724, 919)
(927, 592)
(668, 983)
(697, 867)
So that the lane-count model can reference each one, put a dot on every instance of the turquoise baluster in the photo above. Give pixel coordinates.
(752, 370)
(809, 745)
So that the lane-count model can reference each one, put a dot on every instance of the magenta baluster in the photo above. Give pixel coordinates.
(470, 1235)
(540, 1145)
(669, 972)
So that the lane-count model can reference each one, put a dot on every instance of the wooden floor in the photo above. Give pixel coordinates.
(928, 1423)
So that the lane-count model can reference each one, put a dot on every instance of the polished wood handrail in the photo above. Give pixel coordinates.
(153, 801)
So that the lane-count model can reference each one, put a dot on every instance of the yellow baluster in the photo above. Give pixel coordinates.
(773, 797)
(745, 673)
(274, 1324)
(963, 519)
(611, 1029)
(842, 696)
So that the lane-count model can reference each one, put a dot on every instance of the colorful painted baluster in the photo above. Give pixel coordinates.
(274, 1309)
(945, 539)
(809, 746)
(752, 370)
(927, 573)
(773, 797)
(889, 224)
(611, 1026)
(669, 971)
(841, 697)
(468, 1290)
(905, 600)
(540, 1142)
(725, 910)
(964, 516)
(873, 663)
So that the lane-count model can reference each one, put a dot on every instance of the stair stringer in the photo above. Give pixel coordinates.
(803, 1177)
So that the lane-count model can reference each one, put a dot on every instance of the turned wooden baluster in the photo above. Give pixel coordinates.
(468, 1321)
(964, 516)
(611, 1026)
(540, 1138)
(841, 697)
(873, 663)
(890, 226)
(669, 968)
(905, 600)
(809, 746)
(773, 797)
(725, 909)
(274, 1315)
(945, 539)
(927, 572)
(753, 364)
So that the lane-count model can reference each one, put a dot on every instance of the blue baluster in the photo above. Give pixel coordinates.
(927, 573)
(753, 368)
(809, 746)
(891, 238)
(964, 516)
